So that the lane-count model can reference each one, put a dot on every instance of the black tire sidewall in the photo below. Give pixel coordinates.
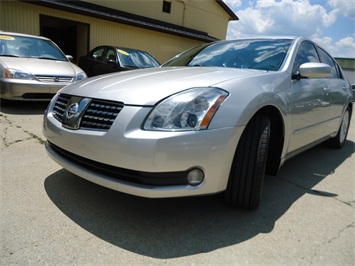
(248, 169)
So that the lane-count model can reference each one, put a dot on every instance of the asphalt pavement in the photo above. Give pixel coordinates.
(52, 217)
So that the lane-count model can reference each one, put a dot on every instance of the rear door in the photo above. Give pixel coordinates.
(338, 92)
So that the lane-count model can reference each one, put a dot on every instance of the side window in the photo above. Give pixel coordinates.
(306, 53)
(98, 54)
(325, 58)
(111, 55)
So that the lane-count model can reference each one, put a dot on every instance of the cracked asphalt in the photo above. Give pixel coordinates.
(51, 217)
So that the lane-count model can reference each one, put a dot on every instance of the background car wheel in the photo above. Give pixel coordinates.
(338, 141)
(248, 168)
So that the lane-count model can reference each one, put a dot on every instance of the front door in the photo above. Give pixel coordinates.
(311, 107)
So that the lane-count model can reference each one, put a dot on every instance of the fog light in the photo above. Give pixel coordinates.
(195, 177)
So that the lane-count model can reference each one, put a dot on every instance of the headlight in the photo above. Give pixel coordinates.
(192, 109)
(17, 74)
(80, 76)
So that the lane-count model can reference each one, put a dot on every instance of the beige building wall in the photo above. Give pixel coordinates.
(203, 15)
(207, 16)
(25, 18)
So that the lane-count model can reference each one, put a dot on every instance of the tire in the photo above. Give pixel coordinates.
(338, 141)
(248, 169)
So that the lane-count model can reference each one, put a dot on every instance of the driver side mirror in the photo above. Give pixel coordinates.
(313, 70)
(70, 58)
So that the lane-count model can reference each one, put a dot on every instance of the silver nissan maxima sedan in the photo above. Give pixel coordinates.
(213, 119)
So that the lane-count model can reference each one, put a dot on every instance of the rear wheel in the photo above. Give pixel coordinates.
(338, 141)
(248, 169)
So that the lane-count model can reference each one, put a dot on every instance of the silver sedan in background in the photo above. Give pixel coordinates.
(213, 119)
(33, 67)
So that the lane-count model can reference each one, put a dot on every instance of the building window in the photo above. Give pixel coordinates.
(166, 6)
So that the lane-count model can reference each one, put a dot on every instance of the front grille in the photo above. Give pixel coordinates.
(59, 106)
(59, 79)
(38, 96)
(99, 114)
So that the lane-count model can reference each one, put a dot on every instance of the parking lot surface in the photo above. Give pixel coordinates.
(52, 217)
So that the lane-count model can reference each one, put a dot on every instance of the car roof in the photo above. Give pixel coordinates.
(268, 37)
(119, 47)
(22, 35)
(264, 38)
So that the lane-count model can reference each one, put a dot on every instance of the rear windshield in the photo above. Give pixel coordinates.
(18, 46)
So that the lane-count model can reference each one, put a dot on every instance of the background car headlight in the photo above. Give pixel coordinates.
(17, 74)
(192, 109)
(80, 76)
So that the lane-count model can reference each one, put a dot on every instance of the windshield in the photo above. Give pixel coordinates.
(19, 46)
(136, 59)
(252, 54)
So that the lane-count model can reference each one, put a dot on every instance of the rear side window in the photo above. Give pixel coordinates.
(325, 58)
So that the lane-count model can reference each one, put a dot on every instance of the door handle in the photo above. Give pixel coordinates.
(326, 89)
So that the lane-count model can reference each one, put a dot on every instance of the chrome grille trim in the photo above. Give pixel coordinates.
(99, 115)
(44, 78)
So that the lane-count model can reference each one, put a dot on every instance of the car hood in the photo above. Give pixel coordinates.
(148, 86)
(37, 66)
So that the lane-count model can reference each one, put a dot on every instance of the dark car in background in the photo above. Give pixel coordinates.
(107, 59)
(33, 68)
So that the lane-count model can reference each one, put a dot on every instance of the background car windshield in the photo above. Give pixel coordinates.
(260, 54)
(19, 46)
(136, 59)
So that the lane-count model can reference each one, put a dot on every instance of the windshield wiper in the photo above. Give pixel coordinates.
(9, 55)
(128, 66)
(48, 58)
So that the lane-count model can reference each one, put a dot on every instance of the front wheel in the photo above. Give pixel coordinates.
(248, 169)
(338, 141)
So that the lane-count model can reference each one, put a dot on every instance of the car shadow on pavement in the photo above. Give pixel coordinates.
(24, 108)
(171, 228)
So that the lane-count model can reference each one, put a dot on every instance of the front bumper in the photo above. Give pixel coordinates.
(16, 89)
(121, 174)
(144, 163)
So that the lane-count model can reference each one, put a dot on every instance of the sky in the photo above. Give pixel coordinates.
(330, 23)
